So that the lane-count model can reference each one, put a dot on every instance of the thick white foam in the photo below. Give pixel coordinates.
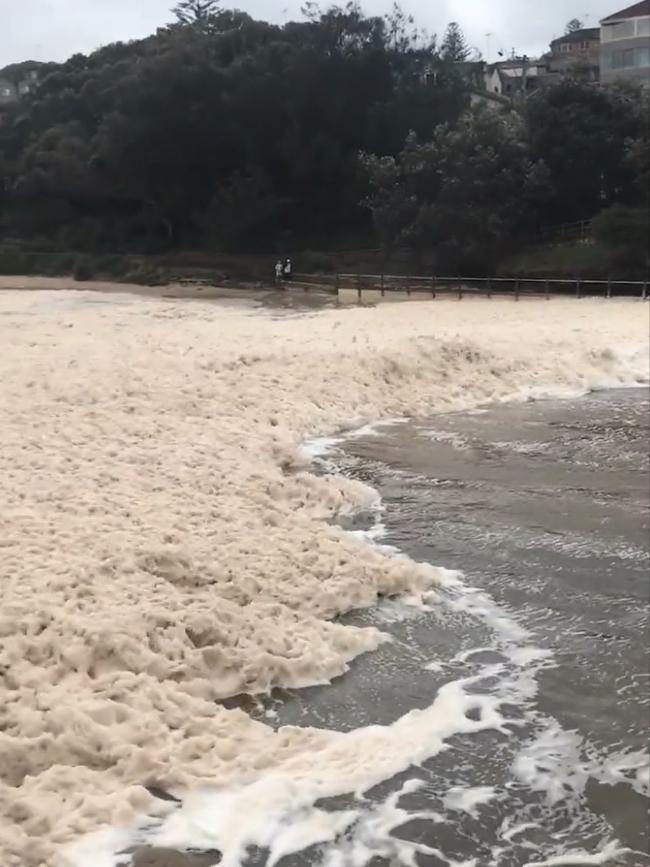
(278, 810)
(278, 807)
(552, 763)
(159, 557)
(470, 799)
(627, 766)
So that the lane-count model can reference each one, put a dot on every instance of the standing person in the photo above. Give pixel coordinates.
(288, 270)
(279, 270)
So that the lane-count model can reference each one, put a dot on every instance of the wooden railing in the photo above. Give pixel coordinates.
(579, 231)
(461, 287)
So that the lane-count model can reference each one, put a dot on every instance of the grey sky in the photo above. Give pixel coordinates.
(55, 29)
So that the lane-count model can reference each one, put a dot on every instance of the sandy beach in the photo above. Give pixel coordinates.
(165, 547)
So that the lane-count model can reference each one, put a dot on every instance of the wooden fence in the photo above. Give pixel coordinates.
(462, 287)
(580, 231)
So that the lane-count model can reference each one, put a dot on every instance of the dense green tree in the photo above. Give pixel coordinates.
(157, 136)
(573, 26)
(393, 205)
(637, 159)
(454, 45)
(197, 12)
(469, 193)
(237, 133)
(583, 132)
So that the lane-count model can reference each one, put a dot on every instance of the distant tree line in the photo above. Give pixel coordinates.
(221, 130)
(486, 185)
(225, 132)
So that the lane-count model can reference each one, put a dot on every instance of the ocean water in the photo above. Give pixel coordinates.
(544, 506)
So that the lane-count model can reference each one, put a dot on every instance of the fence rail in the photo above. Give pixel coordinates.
(579, 231)
(467, 286)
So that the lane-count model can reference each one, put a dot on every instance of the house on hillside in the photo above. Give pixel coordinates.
(517, 77)
(578, 51)
(473, 72)
(18, 80)
(7, 91)
(625, 45)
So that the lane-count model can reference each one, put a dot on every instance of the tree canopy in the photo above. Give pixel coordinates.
(223, 131)
(476, 190)
(472, 191)
(161, 141)
(454, 45)
(195, 11)
(573, 26)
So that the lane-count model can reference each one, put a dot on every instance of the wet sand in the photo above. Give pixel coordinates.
(170, 858)
(176, 291)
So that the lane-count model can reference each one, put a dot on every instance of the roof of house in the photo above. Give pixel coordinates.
(586, 34)
(637, 10)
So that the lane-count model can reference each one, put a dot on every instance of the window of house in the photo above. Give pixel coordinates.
(619, 30)
(643, 27)
(643, 56)
(5, 91)
(623, 59)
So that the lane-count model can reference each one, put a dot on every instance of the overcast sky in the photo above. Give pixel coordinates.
(55, 29)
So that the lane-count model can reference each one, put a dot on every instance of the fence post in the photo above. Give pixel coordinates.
(433, 286)
(460, 289)
(577, 287)
(609, 287)
(547, 290)
(383, 286)
(359, 288)
(337, 283)
(489, 287)
(644, 292)
(517, 289)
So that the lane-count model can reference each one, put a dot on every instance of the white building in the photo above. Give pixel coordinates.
(625, 45)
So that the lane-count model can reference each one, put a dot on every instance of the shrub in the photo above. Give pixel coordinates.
(56, 264)
(112, 266)
(624, 233)
(622, 227)
(14, 261)
(83, 269)
(144, 274)
(311, 262)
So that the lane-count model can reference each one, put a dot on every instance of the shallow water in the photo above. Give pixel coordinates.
(544, 506)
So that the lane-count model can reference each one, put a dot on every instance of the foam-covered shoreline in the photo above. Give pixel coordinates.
(158, 557)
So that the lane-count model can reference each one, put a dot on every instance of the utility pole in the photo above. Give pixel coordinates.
(488, 37)
(524, 76)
